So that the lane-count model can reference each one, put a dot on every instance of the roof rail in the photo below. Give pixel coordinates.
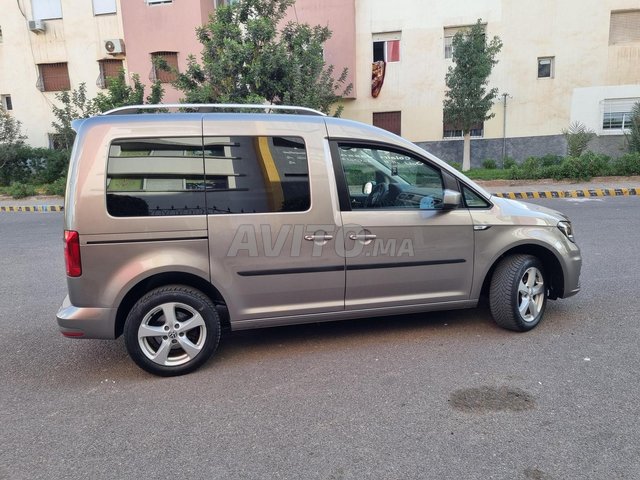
(204, 107)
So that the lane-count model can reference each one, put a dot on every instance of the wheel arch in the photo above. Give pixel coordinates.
(551, 264)
(170, 278)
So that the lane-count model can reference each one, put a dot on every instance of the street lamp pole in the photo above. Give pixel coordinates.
(504, 127)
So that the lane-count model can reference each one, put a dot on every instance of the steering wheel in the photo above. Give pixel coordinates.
(376, 197)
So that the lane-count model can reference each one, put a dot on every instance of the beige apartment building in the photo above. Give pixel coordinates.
(47, 46)
(562, 61)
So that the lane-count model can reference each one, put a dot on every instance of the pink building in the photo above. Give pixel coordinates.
(164, 28)
(340, 17)
(167, 28)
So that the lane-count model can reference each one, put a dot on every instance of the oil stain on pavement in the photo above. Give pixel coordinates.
(492, 399)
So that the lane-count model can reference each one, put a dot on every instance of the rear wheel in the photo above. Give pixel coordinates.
(172, 330)
(518, 293)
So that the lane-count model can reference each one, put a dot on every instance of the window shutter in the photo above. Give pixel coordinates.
(625, 27)
(390, 121)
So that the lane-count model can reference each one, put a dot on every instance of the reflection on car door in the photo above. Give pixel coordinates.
(266, 223)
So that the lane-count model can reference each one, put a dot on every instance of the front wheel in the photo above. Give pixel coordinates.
(172, 330)
(518, 293)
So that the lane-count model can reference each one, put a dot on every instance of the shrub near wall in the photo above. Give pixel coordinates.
(28, 165)
(584, 167)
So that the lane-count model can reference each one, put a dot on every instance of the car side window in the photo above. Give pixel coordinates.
(377, 177)
(256, 175)
(155, 177)
(472, 199)
(222, 175)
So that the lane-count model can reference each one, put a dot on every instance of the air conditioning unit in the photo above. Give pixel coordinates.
(37, 26)
(114, 46)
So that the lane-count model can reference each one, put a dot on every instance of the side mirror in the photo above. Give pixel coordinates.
(367, 188)
(451, 199)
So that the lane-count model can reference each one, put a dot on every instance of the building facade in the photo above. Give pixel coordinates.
(47, 46)
(561, 62)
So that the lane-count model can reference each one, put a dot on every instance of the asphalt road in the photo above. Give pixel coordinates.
(441, 395)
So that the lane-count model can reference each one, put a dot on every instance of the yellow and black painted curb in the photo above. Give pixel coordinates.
(586, 193)
(32, 208)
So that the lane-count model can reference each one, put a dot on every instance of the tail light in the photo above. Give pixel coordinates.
(72, 253)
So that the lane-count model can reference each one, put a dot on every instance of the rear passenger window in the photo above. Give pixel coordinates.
(256, 175)
(226, 175)
(158, 176)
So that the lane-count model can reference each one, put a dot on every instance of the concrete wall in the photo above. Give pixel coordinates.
(519, 148)
(77, 38)
(574, 32)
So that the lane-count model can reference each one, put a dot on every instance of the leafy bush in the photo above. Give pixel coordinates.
(508, 162)
(549, 159)
(26, 164)
(628, 164)
(573, 168)
(531, 168)
(489, 164)
(594, 164)
(21, 190)
(56, 188)
(456, 165)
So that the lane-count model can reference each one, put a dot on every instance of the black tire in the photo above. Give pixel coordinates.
(182, 344)
(506, 295)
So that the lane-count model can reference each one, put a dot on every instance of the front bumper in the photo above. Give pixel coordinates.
(573, 267)
(86, 322)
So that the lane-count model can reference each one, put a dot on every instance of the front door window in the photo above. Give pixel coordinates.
(379, 178)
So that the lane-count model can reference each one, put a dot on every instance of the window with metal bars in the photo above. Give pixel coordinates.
(109, 68)
(53, 77)
(170, 59)
(616, 114)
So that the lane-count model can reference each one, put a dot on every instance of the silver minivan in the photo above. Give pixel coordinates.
(178, 225)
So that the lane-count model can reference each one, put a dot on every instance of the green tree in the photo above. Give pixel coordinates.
(75, 104)
(633, 137)
(120, 94)
(247, 59)
(467, 101)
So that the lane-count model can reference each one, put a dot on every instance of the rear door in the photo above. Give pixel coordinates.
(273, 218)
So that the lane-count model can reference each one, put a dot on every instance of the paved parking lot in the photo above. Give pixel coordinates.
(440, 395)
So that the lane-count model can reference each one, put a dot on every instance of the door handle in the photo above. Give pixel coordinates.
(322, 238)
(365, 237)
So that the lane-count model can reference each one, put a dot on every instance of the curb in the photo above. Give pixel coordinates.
(595, 192)
(33, 208)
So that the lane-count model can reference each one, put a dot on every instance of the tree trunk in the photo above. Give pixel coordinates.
(466, 157)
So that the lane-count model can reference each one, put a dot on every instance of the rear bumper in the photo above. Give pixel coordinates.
(84, 322)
